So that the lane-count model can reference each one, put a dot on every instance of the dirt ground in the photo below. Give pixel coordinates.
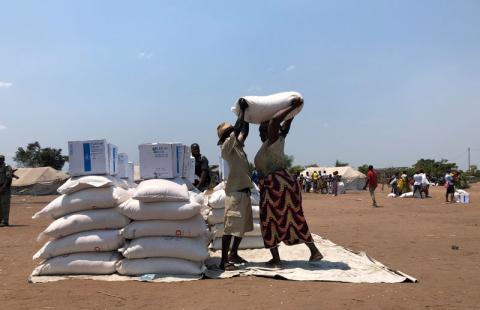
(411, 235)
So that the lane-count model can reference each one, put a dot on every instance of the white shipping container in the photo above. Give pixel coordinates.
(88, 157)
(157, 160)
(122, 166)
(112, 159)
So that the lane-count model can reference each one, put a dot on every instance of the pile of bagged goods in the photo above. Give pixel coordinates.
(93, 232)
(104, 223)
(85, 234)
(167, 234)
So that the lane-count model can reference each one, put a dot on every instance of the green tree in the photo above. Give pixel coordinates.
(35, 156)
(473, 171)
(312, 165)
(363, 168)
(340, 164)
(434, 168)
(296, 169)
(289, 161)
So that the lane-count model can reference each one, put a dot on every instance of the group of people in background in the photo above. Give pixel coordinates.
(319, 182)
(402, 183)
(420, 184)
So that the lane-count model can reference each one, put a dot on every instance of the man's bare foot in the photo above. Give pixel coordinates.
(274, 263)
(316, 257)
(227, 266)
(236, 259)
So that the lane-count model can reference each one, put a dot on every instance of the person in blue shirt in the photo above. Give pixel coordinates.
(450, 187)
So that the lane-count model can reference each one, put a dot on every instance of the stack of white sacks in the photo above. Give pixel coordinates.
(168, 234)
(85, 234)
(215, 219)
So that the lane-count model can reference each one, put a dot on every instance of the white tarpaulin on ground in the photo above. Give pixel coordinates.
(339, 265)
(353, 179)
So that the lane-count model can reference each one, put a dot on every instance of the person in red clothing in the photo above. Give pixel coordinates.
(372, 184)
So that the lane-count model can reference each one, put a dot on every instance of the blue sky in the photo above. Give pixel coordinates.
(384, 82)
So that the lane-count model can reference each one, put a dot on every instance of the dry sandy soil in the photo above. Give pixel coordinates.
(411, 235)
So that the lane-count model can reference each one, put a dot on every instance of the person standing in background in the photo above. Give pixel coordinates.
(255, 176)
(425, 183)
(335, 178)
(417, 185)
(372, 183)
(449, 184)
(315, 178)
(6, 175)
(202, 170)
(308, 182)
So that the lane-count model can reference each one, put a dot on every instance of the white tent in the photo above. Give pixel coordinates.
(37, 181)
(353, 179)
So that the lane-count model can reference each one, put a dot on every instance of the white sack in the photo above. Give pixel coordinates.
(219, 186)
(142, 211)
(88, 199)
(216, 216)
(79, 263)
(192, 227)
(391, 195)
(256, 212)
(76, 184)
(407, 195)
(87, 241)
(262, 108)
(156, 190)
(84, 221)
(198, 198)
(183, 181)
(218, 230)
(194, 249)
(168, 266)
(247, 243)
(217, 199)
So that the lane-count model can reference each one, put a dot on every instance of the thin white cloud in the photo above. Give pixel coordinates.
(291, 68)
(5, 84)
(326, 124)
(145, 55)
(254, 88)
(3, 127)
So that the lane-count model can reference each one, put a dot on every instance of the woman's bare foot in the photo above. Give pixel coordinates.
(274, 263)
(316, 257)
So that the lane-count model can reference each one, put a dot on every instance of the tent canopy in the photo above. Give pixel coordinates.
(42, 175)
(352, 178)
